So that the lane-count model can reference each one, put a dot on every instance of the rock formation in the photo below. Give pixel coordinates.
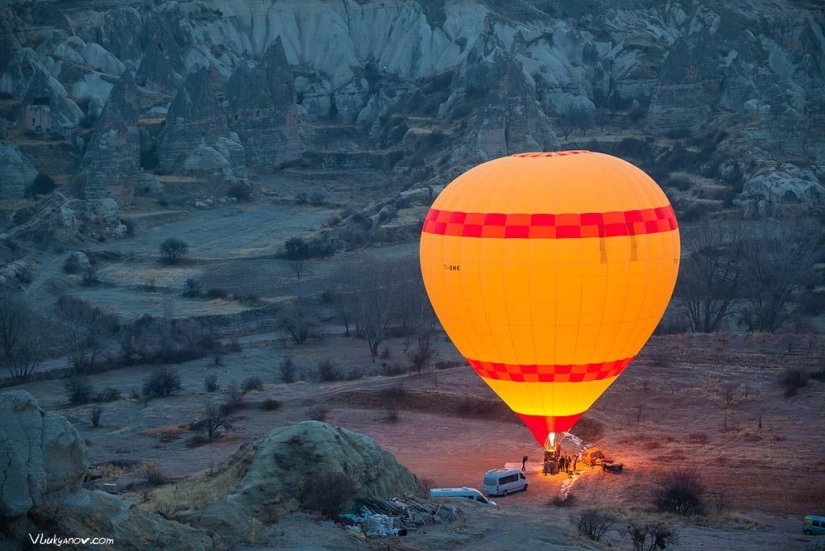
(45, 456)
(271, 475)
(16, 172)
(509, 119)
(111, 163)
(262, 110)
(196, 137)
(65, 114)
(688, 87)
(41, 487)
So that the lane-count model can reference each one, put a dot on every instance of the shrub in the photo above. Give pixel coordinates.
(192, 288)
(241, 192)
(154, 476)
(594, 523)
(210, 384)
(252, 383)
(393, 369)
(317, 198)
(109, 394)
(327, 372)
(94, 415)
(173, 249)
(234, 399)
(271, 404)
(90, 277)
(301, 198)
(41, 185)
(287, 367)
(161, 382)
(160, 340)
(329, 491)
(79, 391)
(448, 364)
(563, 501)
(650, 537)
(214, 294)
(792, 380)
(680, 492)
(319, 413)
(88, 120)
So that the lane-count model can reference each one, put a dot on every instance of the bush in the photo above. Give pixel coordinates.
(155, 477)
(234, 399)
(792, 380)
(594, 523)
(328, 492)
(88, 120)
(328, 372)
(161, 382)
(163, 341)
(79, 391)
(41, 185)
(650, 537)
(109, 394)
(241, 192)
(319, 413)
(214, 294)
(287, 367)
(681, 492)
(192, 288)
(94, 415)
(173, 249)
(252, 383)
(210, 384)
(317, 199)
(271, 404)
(301, 198)
(393, 369)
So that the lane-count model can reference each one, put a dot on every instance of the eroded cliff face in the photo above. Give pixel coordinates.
(755, 66)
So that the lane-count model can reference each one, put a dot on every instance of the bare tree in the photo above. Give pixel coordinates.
(298, 321)
(651, 536)
(413, 310)
(710, 273)
(371, 295)
(84, 332)
(340, 303)
(778, 260)
(575, 116)
(20, 339)
(299, 268)
(212, 420)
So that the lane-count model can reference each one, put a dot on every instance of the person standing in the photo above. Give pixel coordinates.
(524, 463)
(575, 461)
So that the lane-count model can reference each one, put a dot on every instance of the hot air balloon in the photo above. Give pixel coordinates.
(549, 272)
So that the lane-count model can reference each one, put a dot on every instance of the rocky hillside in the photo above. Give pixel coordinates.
(274, 474)
(226, 93)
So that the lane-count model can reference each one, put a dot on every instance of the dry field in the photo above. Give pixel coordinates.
(686, 402)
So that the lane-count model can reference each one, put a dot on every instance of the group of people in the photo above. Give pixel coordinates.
(557, 462)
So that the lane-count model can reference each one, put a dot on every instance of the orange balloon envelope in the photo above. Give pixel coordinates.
(549, 272)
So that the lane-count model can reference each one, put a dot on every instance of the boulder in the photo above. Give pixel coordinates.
(271, 475)
(784, 186)
(45, 456)
(41, 481)
(16, 172)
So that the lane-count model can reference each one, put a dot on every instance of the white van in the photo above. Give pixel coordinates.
(500, 482)
(469, 493)
(814, 526)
